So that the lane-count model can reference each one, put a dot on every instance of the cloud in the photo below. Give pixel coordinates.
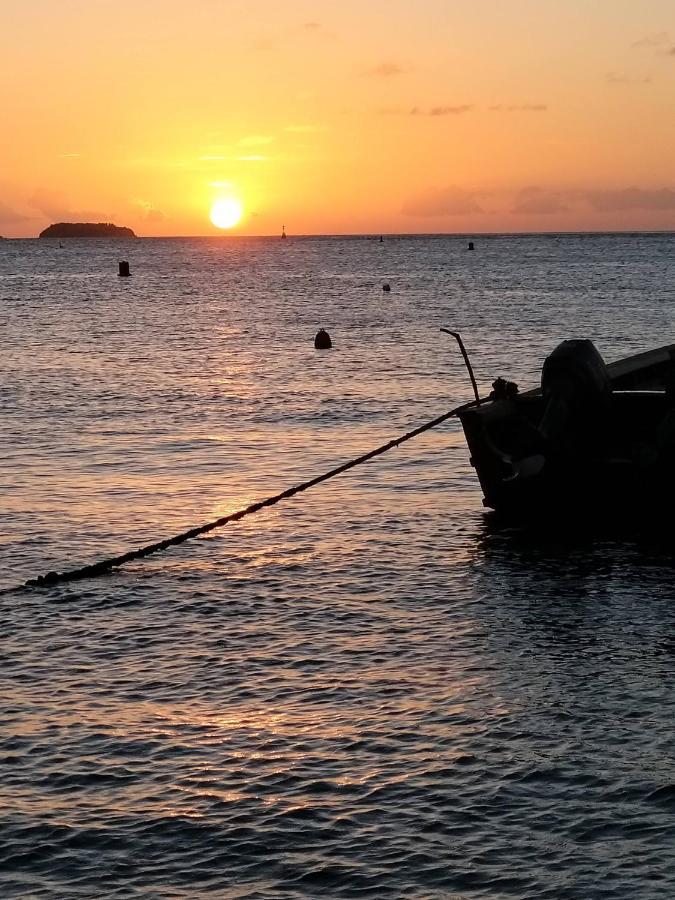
(150, 212)
(70, 155)
(255, 140)
(388, 70)
(10, 216)
(659, 42)
(449, 110)
(619, 79)
(316, 31)
(539, 201)
(449, 201)
(56, 207)
(253, 158)
(433, 111)
(461, 108)
(519, 107)
(652, 40)
(263, 44)
(630, 199)
(305, 129)
(547, 201)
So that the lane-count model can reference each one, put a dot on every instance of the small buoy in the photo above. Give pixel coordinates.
(381, 239)
(386, 288)
(322, 340)
(283, 232)
(124, 269)
(471, 245)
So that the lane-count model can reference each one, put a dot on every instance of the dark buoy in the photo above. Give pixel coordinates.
(322, 340)
(283, 232)
(386, 288)
(471, 247)
(124, 269)
(381, 239)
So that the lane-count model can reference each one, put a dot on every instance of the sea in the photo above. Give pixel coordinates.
(371, 689)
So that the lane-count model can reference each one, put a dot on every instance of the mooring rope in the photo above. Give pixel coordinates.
(105, 565)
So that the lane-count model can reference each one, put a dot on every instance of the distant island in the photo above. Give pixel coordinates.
(86, 229)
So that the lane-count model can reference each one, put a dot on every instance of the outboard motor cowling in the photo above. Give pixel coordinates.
(577, 394)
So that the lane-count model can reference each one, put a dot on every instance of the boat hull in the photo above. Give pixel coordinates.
(626, 467)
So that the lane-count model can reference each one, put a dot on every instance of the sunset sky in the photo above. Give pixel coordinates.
(338, 117)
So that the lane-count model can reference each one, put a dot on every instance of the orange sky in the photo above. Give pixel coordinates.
(330, 117)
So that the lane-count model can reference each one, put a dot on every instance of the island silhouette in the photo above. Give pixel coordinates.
(86, 229)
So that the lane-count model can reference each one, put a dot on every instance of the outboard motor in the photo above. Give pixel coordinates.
(577, 396)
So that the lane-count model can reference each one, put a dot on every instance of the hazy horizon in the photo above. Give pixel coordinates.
(354, 234)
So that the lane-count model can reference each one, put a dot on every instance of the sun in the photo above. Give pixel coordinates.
(226, 213)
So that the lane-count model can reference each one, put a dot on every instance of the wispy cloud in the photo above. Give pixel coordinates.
(10, 216)
(449, 110)
(150, 211)
(255, 140)
(631, 198)
(539, 201)
(70, 155)
(263, 43)
(316, 31)
(388, 70)
(660, 43)
(546, 201)
(519, 107)
(459, 109)
(305, 129)
(449, 201)
(658, 39)
(433, 111)
(252, 158)
(56, 207)
(621, 79)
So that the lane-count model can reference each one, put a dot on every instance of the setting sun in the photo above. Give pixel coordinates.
(226, 213)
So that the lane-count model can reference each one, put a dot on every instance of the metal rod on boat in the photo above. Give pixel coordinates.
(457, 336)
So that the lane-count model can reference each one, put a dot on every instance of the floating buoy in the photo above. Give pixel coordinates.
(471, 247)
(124, 269)
(381, 239)
(322, 340)
(386, 288)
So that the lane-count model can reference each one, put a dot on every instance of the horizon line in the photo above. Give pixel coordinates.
(354, 234)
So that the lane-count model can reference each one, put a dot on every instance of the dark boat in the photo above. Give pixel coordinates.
(595, 438)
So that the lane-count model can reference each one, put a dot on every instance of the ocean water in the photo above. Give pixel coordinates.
(370, 690)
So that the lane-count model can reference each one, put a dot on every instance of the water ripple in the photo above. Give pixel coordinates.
(372, 691)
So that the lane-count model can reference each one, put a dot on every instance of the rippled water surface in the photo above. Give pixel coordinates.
(370, 690)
